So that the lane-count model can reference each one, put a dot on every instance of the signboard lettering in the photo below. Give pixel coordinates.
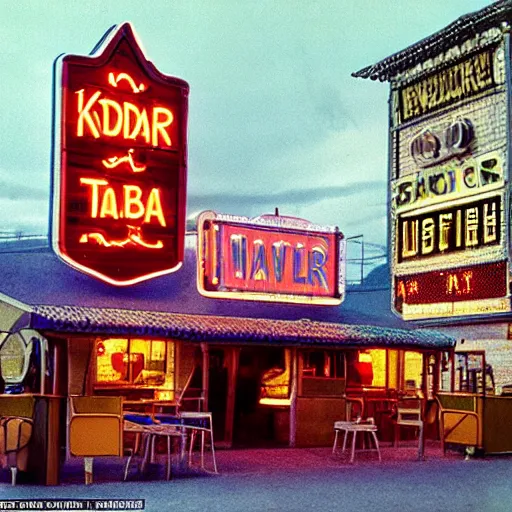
(477, 282)
(450, 181)
(455, 83)
(255, 260)
(450, 229)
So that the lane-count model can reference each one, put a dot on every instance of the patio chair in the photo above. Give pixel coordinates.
(149, 429)
(15, 435)
(354, 423)
(95, 429)
(409, 414)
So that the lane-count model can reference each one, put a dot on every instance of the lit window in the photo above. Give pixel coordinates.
(275, 382)
(136, 362)
(367, 368)
(324, 364)
(413, 369)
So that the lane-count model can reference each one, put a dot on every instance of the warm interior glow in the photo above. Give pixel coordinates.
(275, 382)
(136, 361)
(372, 367)
(282, 402)
(413, 364)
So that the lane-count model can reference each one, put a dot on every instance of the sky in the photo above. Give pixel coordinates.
(275, 118)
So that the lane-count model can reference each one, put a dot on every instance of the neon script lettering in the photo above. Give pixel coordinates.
(99, 116)
(130, 203)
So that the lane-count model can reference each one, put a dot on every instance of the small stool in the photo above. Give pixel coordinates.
(354, 428)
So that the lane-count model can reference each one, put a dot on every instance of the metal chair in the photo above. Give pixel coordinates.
(150, 429)
(409, 414)
(354, 410)
(200, 422)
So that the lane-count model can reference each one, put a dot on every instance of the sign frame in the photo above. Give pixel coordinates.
(271, 224)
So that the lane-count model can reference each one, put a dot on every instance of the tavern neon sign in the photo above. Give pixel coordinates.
(119, 182)
(270, 258)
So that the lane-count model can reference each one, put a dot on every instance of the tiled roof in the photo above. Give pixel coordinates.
(227, 329)
(463, 28)
(38, 278)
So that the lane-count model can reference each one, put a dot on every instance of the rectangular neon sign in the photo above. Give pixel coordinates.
(270, 258)
(473, 283)
(451, 229)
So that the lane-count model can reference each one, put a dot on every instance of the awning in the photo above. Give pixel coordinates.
(219, 329)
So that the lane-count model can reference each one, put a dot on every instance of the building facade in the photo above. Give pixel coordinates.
(449, 172)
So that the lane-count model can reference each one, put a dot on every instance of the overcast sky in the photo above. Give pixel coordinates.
(275, 119)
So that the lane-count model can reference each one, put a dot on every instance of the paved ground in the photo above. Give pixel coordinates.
(302, 479)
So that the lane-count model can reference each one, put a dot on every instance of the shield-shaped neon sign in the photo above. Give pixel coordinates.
(119, 163)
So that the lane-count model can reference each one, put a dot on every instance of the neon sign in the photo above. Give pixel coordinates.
(270, 258)
(119, 181)
(473, 283)
(451, 229)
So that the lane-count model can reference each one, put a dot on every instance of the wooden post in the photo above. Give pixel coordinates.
(293, 399)
(88, 462)
(233, 354)
(206, 376)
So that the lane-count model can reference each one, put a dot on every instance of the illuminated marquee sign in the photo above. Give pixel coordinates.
(451, 229)
(449, 181)
(119, 182)
(270, 258)
(473, 283)
(455, 83)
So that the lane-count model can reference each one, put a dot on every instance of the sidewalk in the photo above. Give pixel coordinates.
(293, 480)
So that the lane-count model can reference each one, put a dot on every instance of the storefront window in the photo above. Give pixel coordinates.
(133, 361)
(275, 381)
(367, 368)
(413, 369)
(445, 372)
(323, 373)
(328, 364)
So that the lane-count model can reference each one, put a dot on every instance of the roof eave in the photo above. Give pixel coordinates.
(463, 28)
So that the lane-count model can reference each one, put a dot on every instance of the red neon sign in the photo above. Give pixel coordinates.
(120, 151)
(269, 258)
(477, 282)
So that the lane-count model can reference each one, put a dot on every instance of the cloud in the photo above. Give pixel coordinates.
(301, 197)
(15, 191)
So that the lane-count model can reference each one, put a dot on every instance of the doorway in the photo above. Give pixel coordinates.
(258, 423)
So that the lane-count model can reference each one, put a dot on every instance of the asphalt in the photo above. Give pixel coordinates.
(294, 480)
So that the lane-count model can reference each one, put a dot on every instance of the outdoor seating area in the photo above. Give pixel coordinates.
(404, 412)
(180, 433)
(100, 426)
